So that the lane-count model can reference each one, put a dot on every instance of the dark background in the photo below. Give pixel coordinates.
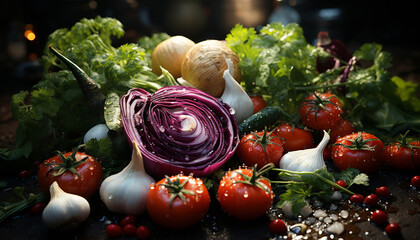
(390, 23)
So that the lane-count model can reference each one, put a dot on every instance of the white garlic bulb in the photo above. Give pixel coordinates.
(235, 96)
(65, 211)
(307, 160)
(126, 191)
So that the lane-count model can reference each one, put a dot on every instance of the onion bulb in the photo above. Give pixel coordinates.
(204, 64)
(169, 54)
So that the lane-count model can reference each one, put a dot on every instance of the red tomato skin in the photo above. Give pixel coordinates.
(181, 215)
(259, 103)
(252, 153)
(325, 118)
(113, 230)
(129, 219)
(371, 200)
(393, 229)
(415, 181)
(277, 226)
(243, 201)
(402, 158)
(84, 185)
(364, 160)
(357, 198)
(383, 192)
(294, 138)
(379, 217)
(142, 232)
(129, 229)
(341, 129)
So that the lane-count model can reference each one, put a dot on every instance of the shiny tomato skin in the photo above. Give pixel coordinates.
(401, 157)
(244, 201)
(379, 217)
(252, 152)
(142, 232)
(259, 103)
(294, 138)
(365, 160)
(85, 185)
(180, 214)
(393, 229)
(320, 118)
(341, 129)
(277, 226)
(114, 230)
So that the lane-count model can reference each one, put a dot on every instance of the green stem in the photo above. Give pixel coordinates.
(22, 205)
(335, 185)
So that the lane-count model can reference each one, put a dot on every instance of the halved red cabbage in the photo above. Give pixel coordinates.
(179, 129)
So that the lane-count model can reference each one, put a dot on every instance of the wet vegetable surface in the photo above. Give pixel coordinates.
(402, 207)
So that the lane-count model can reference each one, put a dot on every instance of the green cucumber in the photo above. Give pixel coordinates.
(265, 118)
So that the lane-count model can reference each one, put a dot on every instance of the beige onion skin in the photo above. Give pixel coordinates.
(169, 54)
(204, 64)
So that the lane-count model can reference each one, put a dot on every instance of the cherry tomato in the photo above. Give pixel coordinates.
(327, 152)
(129, 229)
(142, 232)
(178, 202)
(129, 219)
(75, 172)
(37, 208)
(113, 230)
(393, 229)
(403, 156)
(260, 148)
(379, 217)
(341, 129)
(294, 138)
(277, 226)
(382, 192)
(415, 181)
(24, 173)
(342, 183)
(359, 150)
(320, 111)
(259, 103)
(244, 194)
(357, 198)
(371, 200)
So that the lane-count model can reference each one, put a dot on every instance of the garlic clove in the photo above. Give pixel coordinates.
(235, 96)
(126, 191)
(307, 160)
(65, 211)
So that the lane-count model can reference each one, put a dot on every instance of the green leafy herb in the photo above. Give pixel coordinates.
(300, 186)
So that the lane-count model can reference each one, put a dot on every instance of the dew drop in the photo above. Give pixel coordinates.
(232, 111)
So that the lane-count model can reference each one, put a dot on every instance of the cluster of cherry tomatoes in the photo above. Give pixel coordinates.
(127, 227)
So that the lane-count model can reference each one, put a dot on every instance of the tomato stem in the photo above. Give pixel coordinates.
(176, 189)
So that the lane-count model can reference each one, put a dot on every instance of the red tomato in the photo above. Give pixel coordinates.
(178, 202)
(359, 150)
(129, 229)
(341, 129)
(142, 232)
(320, 111)
(24, 173)
(245, 201)
(113, 230)
(129, 219)
(341, 183)
(371, 200)
(75, 172)
(294, 138)
(415, 181)
(379, 217)
(382, 192)
(260, 148)
(403, 156)
(393, 229)
(259, 103)
(277, 226)
(37, 208)
(357, 198)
